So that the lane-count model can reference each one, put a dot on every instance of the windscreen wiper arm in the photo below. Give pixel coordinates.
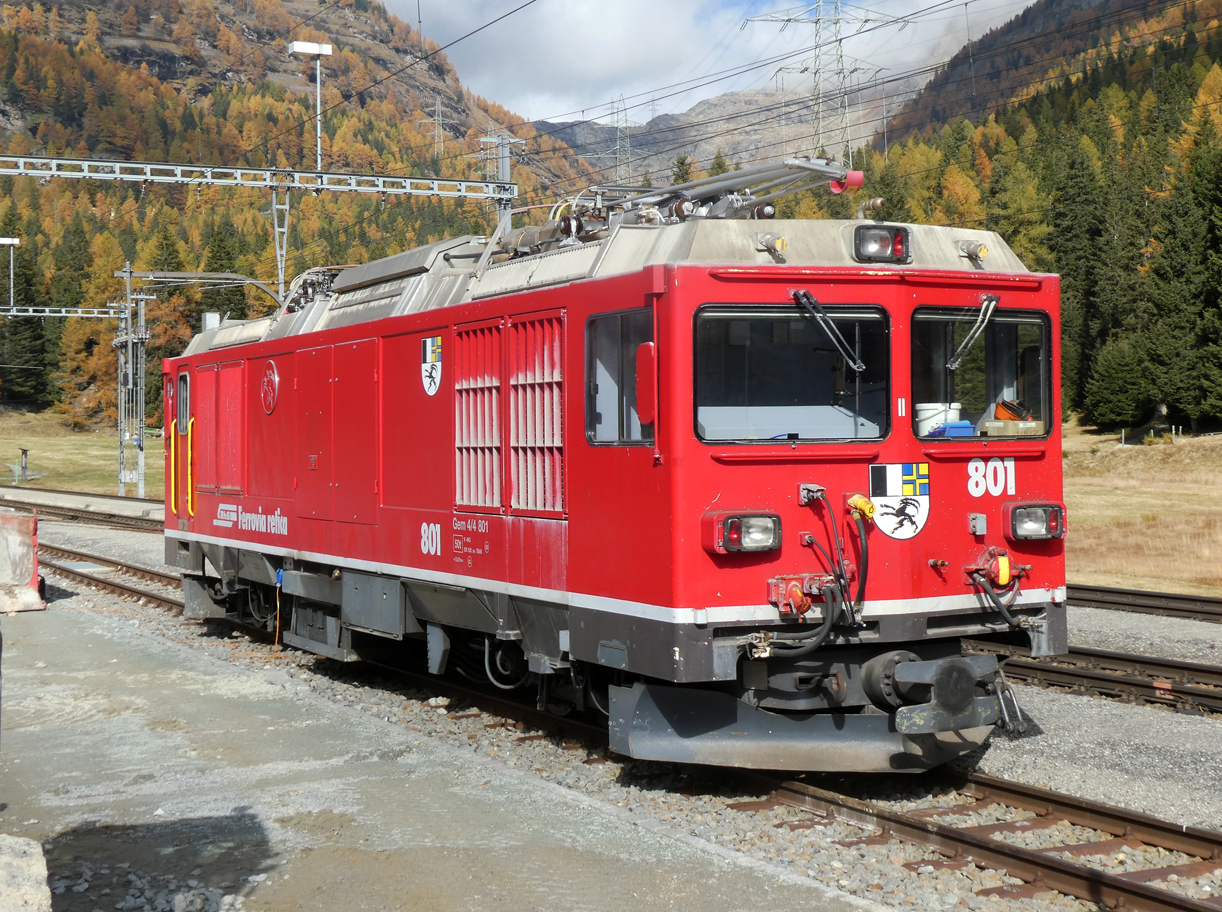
(988, 305)
(803, 297)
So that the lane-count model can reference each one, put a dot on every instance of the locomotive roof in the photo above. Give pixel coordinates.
(460, 270)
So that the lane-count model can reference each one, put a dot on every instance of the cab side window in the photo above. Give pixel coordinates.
(612, 341)
(184, 402)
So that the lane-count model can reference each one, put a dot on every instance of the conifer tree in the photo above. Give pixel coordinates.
(681, 170)
(1118, 393)
(1077, 229)
(23, 378)
(223, 257)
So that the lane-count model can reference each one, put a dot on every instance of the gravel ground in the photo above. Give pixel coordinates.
(1146, 634)
(146, 549)
(1145, 758)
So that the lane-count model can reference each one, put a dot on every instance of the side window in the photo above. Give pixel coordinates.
(184, 402)
(611, 345)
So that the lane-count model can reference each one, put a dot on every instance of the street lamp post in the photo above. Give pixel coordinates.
(12, 244)
(317, 51)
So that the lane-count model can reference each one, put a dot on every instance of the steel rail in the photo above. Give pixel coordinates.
(90, 517)
(169, 580)
(152, 502)
(1185, 686)
(173, 605)
(1040, 870)
(1167, 604)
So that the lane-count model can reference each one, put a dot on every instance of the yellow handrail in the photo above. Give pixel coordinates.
(174, 467)
(190, 467)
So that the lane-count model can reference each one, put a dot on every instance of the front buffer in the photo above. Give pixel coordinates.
(656, 721)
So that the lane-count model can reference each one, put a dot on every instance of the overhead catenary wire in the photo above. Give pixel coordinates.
(902, 77)
(788, 108)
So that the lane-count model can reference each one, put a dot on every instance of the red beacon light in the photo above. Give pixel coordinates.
(881, 244)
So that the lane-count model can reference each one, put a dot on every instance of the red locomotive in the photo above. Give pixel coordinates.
(740, 484)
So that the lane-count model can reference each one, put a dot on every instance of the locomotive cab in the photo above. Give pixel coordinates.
(743, 486)
(877, 462)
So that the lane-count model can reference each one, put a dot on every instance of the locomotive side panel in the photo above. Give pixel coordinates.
(417, 525)
(271, 409)
(417, 465)
(620, 530)
(204, 456)
(356, 431)
(314, 462)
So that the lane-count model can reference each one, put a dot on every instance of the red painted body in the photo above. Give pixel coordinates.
(355, 462)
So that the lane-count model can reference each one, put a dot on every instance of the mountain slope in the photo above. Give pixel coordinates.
(1054, 40)
(200, 49)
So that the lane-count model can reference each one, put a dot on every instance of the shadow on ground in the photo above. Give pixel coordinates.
(200, 859)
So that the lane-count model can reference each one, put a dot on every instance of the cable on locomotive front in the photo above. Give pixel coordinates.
(833, 606)
(995, 565)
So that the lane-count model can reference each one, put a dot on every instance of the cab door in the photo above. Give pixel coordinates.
(180, 434)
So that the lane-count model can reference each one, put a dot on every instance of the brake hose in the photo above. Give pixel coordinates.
(865, 559)
(842, 579)
(810, 640)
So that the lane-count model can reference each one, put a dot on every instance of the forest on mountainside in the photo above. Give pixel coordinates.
(1111, 176)
(73, 99)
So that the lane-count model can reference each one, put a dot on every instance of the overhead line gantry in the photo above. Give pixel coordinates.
(280, 181)
(130, 341)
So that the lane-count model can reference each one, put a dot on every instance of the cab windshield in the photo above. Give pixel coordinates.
(980, 373)
(774, 373)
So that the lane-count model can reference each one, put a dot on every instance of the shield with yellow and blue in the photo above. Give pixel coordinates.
(900, 492)
(430, 364)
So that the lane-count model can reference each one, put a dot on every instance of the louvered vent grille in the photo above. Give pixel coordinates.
(535, 415)
(477, 417)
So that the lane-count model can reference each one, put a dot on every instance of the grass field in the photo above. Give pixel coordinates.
(1145, 516)
(73, 460)
(1140, 517)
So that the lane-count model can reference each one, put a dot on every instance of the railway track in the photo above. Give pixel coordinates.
(1166, 604)
(61, 565)
(91, 517)
(1182, 686)
(991, 819)
(151, 502)
(986, 822)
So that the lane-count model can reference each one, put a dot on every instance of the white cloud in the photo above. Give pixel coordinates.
(566, 59)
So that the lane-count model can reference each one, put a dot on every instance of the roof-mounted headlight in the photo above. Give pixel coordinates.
(722, 533)
(882, 244)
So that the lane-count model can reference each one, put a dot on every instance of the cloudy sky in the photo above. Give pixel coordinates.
(573, 59)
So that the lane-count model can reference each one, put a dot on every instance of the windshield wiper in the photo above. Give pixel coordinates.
(988, 304)
(815, 309)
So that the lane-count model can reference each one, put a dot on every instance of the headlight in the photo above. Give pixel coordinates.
(1032, 521)
(881, 244)
(725, 532)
